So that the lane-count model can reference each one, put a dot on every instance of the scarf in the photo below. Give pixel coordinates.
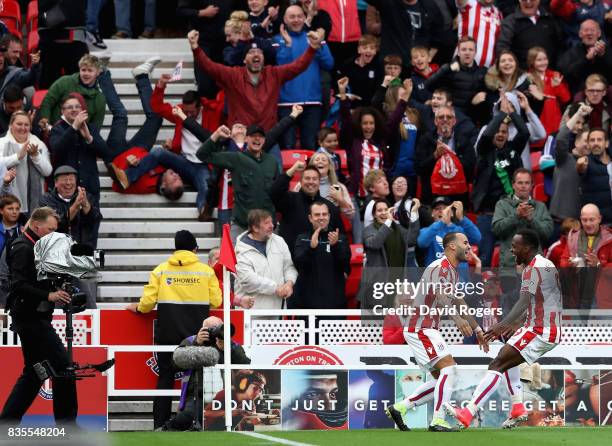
(504, 178)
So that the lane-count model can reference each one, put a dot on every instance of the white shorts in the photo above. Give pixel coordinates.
(530, 345)
(428, 347)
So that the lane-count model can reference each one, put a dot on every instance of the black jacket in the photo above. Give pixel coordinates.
(28, 298)
(463, 84)
(519, 33)
(488, 188)
(294, 207)
(81, 228)
(576, 68)
(398, 35)
(69, 148)
(595, 188)
(425, 160)
(320, 283)
(210, 29)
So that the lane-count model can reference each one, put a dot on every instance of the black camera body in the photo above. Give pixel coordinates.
(215, 333)
(78, 299)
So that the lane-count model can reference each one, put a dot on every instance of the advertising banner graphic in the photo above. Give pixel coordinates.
(314, 399)
(406, 382)
(256, 402)
(582, 397)
(370, 392)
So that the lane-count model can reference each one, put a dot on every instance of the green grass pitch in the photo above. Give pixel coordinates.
(563, 436)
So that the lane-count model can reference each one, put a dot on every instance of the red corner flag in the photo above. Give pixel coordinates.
(227, 256)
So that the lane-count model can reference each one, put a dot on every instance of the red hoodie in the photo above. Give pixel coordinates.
(146, 184)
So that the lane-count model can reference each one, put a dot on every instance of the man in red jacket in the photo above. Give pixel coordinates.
(252, 91)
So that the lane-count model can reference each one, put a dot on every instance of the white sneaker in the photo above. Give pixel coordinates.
(147, 67)
(95, 40)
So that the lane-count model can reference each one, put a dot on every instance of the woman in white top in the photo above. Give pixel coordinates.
(30, 156)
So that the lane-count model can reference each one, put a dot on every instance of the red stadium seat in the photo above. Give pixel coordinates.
(348, 226)
(32, 13)
(539, 194)
(11, 13)
(38, 97)
(495, 258)
(354, 278)
(290, 157)
(33, 41)
(13, 29)
(472, 217)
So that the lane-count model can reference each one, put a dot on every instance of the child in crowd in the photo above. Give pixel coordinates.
(421, 70)
(10, 209)
(364, 72)
(328, 143)
(264, 21)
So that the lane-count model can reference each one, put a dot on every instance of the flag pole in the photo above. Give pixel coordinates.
(227, 349)
(227, 258)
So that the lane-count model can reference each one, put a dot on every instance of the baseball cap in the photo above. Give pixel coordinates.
(253, 129)
(440, 200)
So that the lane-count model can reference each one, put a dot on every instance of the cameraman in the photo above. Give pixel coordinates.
(210, 335)
(31, 305)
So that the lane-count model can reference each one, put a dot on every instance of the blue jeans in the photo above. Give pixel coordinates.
(487, 242)
(93, 12)
(224, 216)
(195, 173)
(147, 134)
(309, 123)
(123, 13)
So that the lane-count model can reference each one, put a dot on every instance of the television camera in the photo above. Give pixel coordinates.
(63, 262)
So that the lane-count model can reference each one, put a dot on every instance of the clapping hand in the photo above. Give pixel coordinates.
(9, 176)
(333, 237)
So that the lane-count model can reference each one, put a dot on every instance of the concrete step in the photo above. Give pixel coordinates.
(120, 293)
(126, 73)
(140, 260)
(135, 119)
(163, 134)
(124, 50)
(151, 244)
(173, 90)
(146, 199)
(149, 227)
(135, 406)
(124, 276)
(148, 213)
(134, 424)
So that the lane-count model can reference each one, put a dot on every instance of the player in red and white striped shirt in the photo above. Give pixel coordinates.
(481, 20)
(540, 299)
(438, 290)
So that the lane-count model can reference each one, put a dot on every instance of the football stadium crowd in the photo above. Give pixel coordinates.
(340, 139)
